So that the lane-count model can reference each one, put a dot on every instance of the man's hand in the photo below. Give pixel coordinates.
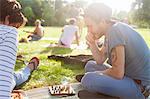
(99, 55)
(90, 39)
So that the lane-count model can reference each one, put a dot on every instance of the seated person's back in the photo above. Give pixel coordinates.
(69, 32)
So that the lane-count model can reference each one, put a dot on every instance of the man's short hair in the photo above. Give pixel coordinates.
(98, 11)
(72, 21)
(37, 21)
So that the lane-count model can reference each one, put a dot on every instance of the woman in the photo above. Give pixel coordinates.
(11, 18)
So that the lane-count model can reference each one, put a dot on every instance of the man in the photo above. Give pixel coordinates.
(38, 32)
(69, 33)
(127, 73)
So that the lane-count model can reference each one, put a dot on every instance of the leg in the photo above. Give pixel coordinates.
(35, 38)
(22, 76)
(125, 88)
(61, 44)
(92, 66)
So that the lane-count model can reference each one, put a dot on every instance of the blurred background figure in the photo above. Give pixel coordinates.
(73, 11)
(69, 32)
(80, 21)
(38, 32)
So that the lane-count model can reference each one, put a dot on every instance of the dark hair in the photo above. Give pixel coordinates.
(12, 9)
(98, 11)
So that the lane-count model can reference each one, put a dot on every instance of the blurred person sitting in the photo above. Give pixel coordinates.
(38, 32)
(80, 23)
(68, 33)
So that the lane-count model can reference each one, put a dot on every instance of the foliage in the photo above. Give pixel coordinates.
(121, 15)
(140, 13)
(29, 14)
(51, 12)
(55, 12)
(48, 14)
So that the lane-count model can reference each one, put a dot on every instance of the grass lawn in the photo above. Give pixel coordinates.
(52, 72)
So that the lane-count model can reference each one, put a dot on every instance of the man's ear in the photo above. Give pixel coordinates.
(7, 20)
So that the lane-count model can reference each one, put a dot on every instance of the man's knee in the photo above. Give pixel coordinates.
(89, 65)
(86, 80)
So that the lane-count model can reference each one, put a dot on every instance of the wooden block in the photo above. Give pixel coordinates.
(61, 90)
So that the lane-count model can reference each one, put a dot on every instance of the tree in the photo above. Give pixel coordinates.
(48, 13)
(121, 15)
(29, 14)
(140, 13)
(31, 9)
(54, 12)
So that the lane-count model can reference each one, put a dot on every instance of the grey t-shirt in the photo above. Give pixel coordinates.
(137, 53)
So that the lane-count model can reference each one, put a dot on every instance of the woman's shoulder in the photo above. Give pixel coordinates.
(6, 28)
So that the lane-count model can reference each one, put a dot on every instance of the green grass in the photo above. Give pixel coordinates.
(145, 34)
(50, 71)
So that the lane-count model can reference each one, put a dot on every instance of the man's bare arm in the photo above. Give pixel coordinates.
(99, 54)
(118, 63)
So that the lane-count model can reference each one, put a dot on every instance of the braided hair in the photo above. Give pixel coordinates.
(12, 9)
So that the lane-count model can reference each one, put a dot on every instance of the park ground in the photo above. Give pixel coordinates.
(52, 72)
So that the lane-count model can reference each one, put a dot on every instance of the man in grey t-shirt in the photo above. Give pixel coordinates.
(127, 73)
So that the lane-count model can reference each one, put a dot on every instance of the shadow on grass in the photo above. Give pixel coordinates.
(56, 50)
(80, 59)
(72, 66)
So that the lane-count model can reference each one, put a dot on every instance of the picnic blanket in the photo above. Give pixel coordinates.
(77, 59)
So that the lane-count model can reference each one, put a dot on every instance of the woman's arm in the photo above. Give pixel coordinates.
(8, 50)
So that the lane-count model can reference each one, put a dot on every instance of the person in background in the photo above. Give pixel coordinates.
(80, 21)
(69, 32)
(38, 32)
(80, 24)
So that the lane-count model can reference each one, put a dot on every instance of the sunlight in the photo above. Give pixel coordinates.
(116, 5)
